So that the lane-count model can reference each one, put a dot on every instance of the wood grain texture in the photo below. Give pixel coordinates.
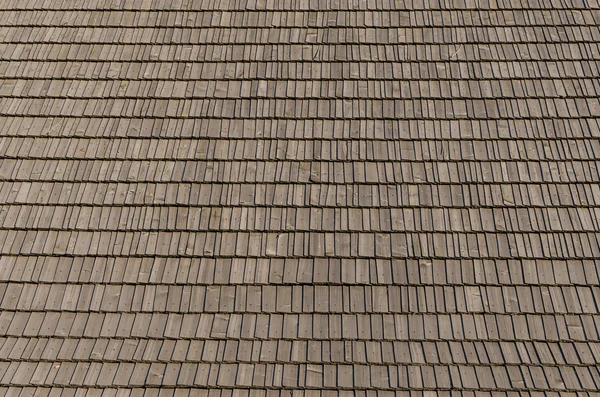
(299, 198)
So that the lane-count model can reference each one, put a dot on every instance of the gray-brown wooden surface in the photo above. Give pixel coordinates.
(299, 198)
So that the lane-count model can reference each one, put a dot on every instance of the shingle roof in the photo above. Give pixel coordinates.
(299, 198)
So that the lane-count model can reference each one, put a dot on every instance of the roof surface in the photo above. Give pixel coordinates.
(299, 198)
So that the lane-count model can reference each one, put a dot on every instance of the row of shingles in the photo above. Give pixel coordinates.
(307, 271)
(133, 70)
(399, 130)
(300, 172)
(300, 299)
(304, 326)
(564, 245)
(186, 350)
(16, 391)
(326, 197)
(269, 5)
(293, 109)
(309, 376)
(424, 24)
(301, 52)
(261, 219)
(556, 18)
(282, 108)
(528, 149)
(307, 326)
(301, 89)
(291, 35)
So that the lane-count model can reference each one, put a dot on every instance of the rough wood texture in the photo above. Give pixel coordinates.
(299, 198)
